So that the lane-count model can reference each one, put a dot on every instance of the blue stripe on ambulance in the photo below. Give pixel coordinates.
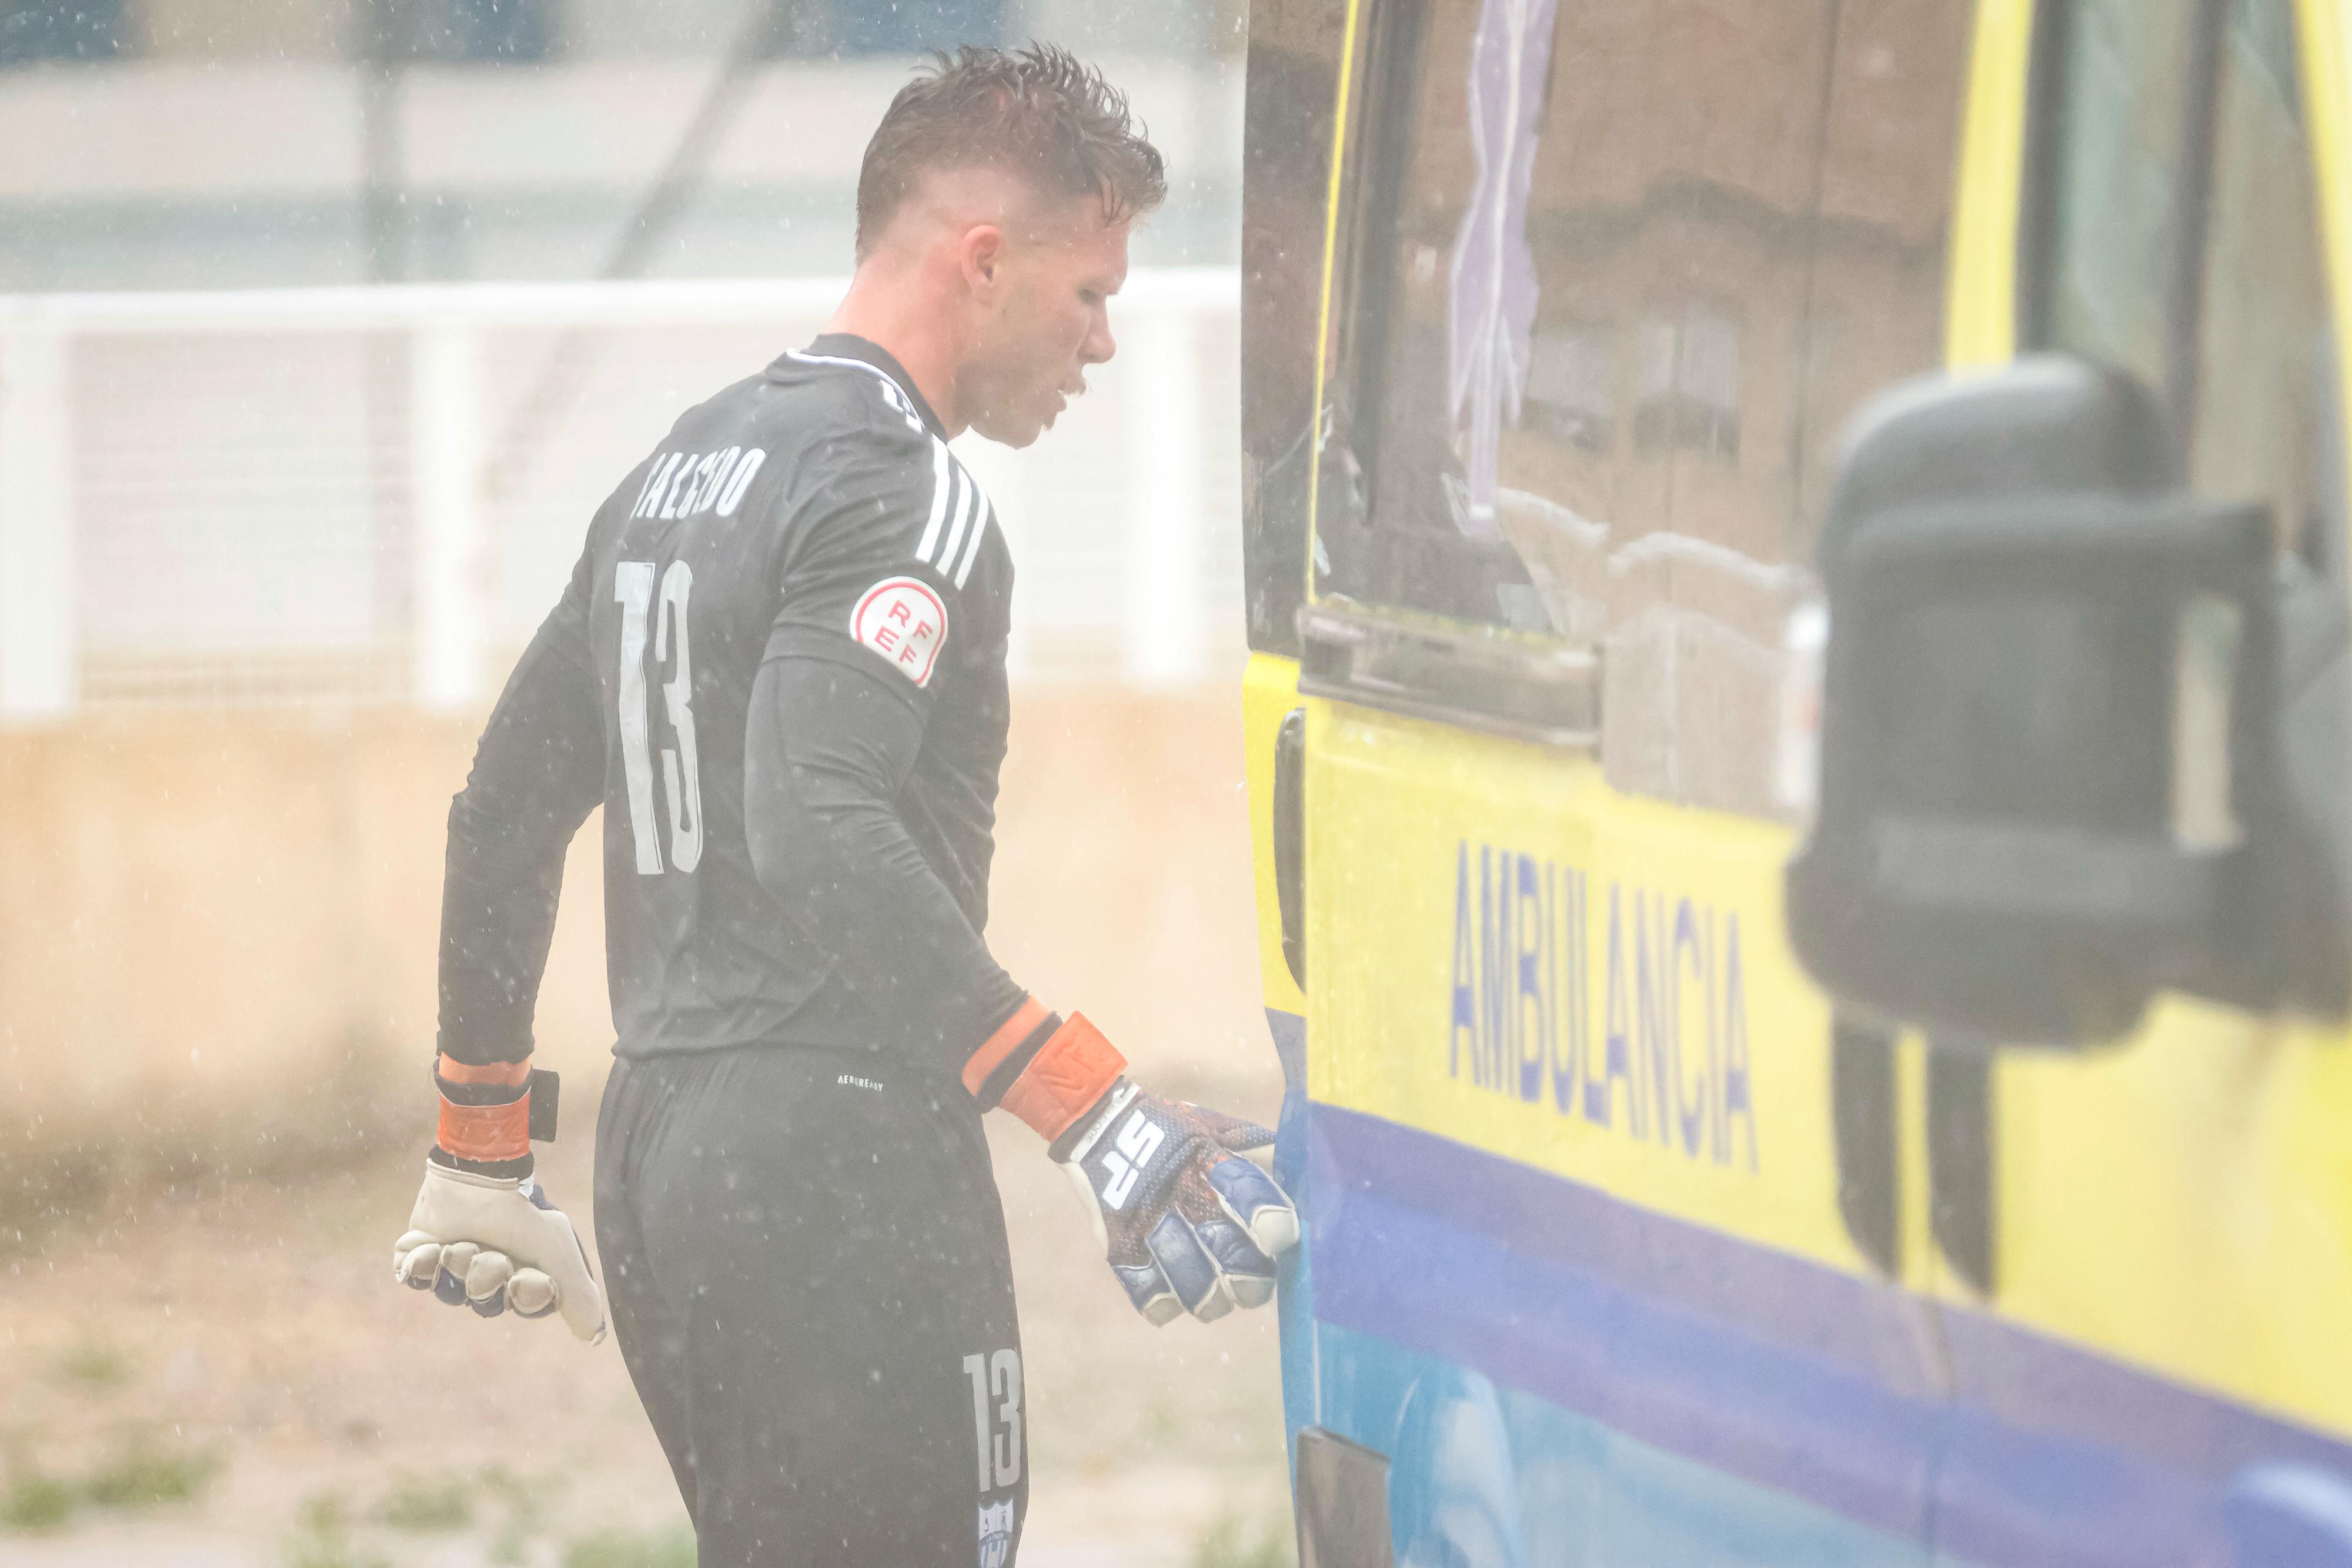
(1706, 1347)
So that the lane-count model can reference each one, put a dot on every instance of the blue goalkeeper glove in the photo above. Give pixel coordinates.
(1189, 1224)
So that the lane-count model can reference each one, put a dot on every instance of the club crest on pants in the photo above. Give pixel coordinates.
(995, 1534)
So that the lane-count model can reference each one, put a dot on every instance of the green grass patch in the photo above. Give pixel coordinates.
(145, 1471)
(141, 1470)
(1228, 1543)
(669, 1548)
(324, 1513)
(35, 1501)
(526, 1505)
(427, 1503)
(96, 1370)
(322, 1536)
(316, 1552)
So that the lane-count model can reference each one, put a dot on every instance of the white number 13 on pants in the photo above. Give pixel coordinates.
(1000, 1451)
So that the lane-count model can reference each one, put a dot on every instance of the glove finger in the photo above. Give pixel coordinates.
(450, 1280)
(1234, 1134)
(1147, 1288)
(1192, 1273)
(1257, 1204)
(410, 1240)
(486, 1283)
(1249, 1272)
(533, 1294)
(418, 1267)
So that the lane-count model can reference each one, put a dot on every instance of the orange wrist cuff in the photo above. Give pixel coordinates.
(1070, 1073)
(513, 1074)
(485, 1133)
(1007, 1039)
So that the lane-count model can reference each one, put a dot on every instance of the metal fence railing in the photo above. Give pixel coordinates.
(337, 494)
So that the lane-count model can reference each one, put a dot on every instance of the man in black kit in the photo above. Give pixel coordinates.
(779, 668)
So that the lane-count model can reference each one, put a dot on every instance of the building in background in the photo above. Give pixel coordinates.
(238, 144)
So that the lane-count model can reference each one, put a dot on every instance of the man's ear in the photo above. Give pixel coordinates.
(980, 253)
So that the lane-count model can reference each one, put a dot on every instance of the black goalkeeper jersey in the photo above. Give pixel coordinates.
(779, 666)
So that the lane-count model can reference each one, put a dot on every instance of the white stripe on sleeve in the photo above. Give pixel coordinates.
(965, 507)
(939, 473)
(971, 550)
(984, 515)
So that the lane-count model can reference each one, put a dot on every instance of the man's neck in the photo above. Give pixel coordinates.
(895, 315)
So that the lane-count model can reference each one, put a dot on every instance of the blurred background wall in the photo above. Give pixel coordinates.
(233, 143)
(312, 369)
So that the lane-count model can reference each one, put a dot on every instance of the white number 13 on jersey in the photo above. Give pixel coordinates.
(633, 585)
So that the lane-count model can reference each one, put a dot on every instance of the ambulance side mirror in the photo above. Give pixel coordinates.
(2049, 738)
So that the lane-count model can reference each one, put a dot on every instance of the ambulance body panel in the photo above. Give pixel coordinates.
(1626, 1242)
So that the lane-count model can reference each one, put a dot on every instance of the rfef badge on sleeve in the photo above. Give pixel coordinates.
(902, 619)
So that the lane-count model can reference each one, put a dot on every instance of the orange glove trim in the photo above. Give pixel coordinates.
(512, 1074)
(1064, 1080)
(487, 1132)
(1002, 1043)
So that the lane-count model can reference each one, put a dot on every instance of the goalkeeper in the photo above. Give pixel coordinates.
(778, 666)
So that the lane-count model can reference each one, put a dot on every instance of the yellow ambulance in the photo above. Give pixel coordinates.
(1798, 763)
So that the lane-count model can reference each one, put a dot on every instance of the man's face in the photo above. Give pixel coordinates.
(1045, 322)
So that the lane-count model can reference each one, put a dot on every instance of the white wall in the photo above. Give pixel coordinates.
(325, 496)
(178, 174)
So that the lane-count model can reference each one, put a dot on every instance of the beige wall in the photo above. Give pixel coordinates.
(255, 29)
(217, 934)
(240, 29)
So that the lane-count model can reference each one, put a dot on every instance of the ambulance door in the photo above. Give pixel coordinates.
(2145, 1249)
(1602, 283)
(1294, 67)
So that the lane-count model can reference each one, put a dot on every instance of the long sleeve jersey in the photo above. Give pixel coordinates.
(779, 666)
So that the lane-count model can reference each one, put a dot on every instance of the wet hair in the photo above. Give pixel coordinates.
(1036, 113)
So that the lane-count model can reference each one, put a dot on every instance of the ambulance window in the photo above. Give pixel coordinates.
(2177, 237)
(1567, 394)
(1286, 185)
(2110, 133)
(1441, 342)
(1611, 277)
(2265, 367)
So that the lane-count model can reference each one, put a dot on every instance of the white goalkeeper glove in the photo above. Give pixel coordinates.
(482, 1234)
(496, 1244)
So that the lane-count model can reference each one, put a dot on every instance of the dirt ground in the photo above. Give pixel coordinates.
(255, 1332)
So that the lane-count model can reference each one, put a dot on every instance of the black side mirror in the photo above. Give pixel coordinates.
(2049, 730)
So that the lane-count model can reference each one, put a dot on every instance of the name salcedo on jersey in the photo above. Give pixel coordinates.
(683, 483)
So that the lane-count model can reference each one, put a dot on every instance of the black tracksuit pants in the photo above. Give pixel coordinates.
(805, 1256)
